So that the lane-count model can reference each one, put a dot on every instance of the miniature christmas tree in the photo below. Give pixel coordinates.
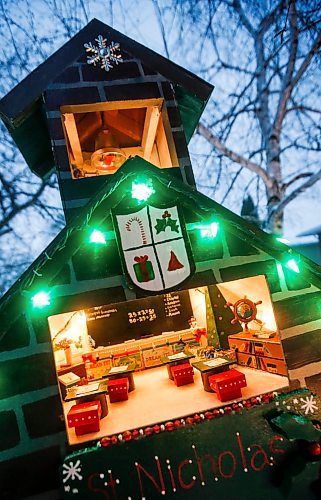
(223, 317)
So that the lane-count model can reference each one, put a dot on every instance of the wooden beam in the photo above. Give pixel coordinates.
(162, 146)
(124, 125)
(150, 129)
(72, 134)
(106, 106)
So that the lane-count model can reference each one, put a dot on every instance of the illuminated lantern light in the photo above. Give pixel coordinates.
(209, 231)
(107, 160)
(41, 299)
(141, 191)
(291, 264)
(97, 237)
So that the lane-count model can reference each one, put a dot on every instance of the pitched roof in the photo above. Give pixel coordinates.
(22, 108)
(68, 241)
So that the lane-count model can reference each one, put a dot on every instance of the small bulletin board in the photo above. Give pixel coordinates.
(115, 323)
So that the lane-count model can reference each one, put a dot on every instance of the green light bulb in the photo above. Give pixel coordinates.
(209, 231)
(291, 264)
(282, 240)
(41, 299)
(97, 237)
(141, 191)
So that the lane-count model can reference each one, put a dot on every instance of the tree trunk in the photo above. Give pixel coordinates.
(275, 220)
(274, 193)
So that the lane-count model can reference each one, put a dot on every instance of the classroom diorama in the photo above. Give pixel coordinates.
(155, 310)
(162, 357)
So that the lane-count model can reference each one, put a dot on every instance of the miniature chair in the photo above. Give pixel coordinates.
(183, 374)
(118, 389)
(85, 417)
(227, 385)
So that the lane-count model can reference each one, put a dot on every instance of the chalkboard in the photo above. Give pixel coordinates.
(115, 323)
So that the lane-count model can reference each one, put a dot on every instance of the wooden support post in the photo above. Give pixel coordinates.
(72, 134)
(150, 129)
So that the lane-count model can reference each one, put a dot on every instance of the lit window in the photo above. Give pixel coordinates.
(101, 137)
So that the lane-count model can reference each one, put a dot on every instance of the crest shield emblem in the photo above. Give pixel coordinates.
(154, 247)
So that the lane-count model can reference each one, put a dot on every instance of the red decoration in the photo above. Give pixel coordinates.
(105, 441)
(135, 434)
(127, 435)
(166, 214)
(108, 159)
(145, 272)
(314, 449)
(89, 357)
(174, 263)
(199, 332)
(118, 389)
(183, 374)
(227, 385)
(114, 439)
(196, 418)
(85, 417)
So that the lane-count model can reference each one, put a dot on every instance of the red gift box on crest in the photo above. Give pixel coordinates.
(85, 417)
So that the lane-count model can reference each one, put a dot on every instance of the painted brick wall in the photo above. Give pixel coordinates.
(81, 84)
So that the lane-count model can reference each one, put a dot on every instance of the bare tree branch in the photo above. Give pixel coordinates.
(235, 157)
(295, 193)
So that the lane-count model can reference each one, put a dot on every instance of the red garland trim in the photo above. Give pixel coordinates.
(191, 419)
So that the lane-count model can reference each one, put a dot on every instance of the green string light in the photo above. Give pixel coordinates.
(291, 264)
(282, 240)
(141, 191)
(209, 231)
(41, 299)
(97, 237)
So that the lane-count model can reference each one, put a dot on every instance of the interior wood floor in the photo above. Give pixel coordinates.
(157, 399)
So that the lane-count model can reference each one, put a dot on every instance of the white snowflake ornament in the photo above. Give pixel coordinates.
(103, 53)
(72, 471)
(308, 404)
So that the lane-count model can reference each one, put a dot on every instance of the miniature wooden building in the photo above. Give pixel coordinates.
(146, 106)
(166, 251)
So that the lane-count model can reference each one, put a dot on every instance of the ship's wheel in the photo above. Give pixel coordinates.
(245, 311)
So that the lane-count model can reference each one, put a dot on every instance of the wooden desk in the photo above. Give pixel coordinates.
(169, 361)
(128, 373)
(76, 368)
(207, 370)
(96, 395)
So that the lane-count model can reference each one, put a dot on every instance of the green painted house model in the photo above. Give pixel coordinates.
(154, 294)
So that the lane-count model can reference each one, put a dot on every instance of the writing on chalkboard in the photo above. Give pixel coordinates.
(142, 315)
(100, 312)
(172, 305)
(115, 323)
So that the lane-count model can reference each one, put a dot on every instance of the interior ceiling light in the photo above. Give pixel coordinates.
(107, 155)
